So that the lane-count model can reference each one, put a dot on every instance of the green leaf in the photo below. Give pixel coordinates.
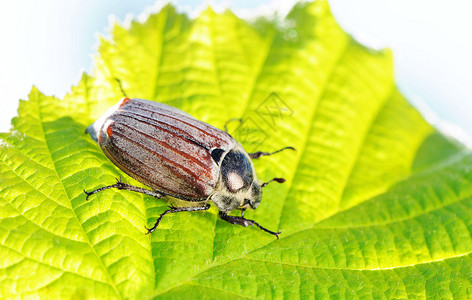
(377, 202)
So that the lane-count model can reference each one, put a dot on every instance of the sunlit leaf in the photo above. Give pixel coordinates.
(377, 203)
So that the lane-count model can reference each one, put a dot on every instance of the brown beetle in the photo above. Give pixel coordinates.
(179, 156)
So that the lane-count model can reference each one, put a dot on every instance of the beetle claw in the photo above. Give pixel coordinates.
(88, 194)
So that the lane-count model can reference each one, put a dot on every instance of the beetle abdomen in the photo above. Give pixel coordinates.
(162, 147)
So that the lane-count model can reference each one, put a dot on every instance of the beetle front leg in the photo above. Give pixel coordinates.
(174, 209)
(123, 186)
(258, 154)
(245, 222)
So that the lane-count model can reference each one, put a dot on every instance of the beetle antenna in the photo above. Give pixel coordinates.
(279, 180)
(121, 87)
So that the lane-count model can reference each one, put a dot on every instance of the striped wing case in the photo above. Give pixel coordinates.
(162, 147)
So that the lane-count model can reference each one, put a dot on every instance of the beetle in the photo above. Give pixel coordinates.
(177, 155)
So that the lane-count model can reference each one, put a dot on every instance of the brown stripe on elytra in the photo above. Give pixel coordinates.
(153, 122)
(176, 165)
(175, 130)
(183, 132)
(170, 132)
(170, 115)
(164, 158)
(146, 175)
(119, 162)
(126, 156)
(164, 144)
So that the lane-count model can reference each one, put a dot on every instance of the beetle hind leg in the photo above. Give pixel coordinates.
(173, 209)
(120, 185)
(245, 222)
(232, 120)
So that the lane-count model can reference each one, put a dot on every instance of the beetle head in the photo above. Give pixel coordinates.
(238, 186)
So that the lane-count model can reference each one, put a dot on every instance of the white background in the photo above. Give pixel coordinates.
(50, 43)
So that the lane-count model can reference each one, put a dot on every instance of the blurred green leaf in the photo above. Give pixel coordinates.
(377, 202)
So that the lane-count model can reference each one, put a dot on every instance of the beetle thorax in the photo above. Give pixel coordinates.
(238, 185)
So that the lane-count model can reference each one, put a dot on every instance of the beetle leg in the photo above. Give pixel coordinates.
(121, 87)
(123, 186)
(245, 222)
(258, 154)
(231, 120)
(173, 209)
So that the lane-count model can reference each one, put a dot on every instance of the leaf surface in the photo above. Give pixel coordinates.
(377, 203)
